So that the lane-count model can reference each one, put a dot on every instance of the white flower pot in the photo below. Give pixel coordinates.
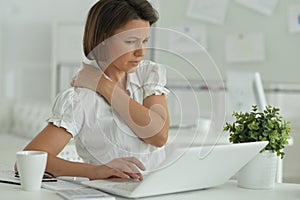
(260, 172)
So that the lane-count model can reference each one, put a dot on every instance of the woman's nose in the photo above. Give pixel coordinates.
(140, 52)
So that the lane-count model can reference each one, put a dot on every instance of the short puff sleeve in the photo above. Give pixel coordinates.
(150, 77)
(66, 112)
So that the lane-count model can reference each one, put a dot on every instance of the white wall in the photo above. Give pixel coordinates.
(1, 63)
(1, 53)
(282, 48)
(25, 59)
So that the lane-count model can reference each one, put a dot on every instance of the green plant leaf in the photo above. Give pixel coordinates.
(260, 126)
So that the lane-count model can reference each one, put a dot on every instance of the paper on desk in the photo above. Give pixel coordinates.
(62, 185)
(8, 174)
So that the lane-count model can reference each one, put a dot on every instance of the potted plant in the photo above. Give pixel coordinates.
(254, 126)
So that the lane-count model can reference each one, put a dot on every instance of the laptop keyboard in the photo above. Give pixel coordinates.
(127, 185)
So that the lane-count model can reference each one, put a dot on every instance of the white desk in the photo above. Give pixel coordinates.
(227, 191)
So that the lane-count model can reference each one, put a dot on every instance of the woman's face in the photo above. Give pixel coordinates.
(128, 46)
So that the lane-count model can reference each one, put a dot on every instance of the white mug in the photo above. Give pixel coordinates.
(31, 167)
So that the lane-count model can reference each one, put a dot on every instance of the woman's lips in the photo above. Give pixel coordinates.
(135, 63)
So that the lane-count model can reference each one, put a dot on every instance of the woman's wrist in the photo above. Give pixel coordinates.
(91, 171)
(105, 88)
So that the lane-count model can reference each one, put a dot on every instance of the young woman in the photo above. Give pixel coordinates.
(117, 111)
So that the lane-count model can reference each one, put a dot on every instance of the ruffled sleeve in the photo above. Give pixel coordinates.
(66, 112)
(150, 77)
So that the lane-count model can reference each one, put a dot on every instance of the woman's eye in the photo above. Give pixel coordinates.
(130, 42)
(136, 42)
(145, 41)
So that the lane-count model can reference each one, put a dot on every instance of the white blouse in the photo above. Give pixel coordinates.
(99, 132)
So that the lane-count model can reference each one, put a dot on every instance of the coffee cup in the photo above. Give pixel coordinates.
(31, 167)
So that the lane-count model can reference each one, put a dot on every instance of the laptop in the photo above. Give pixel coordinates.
(190, 171)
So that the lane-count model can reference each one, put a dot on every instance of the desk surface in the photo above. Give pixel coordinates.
(226, 191)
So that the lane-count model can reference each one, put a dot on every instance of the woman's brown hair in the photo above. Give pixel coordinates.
(106, 16)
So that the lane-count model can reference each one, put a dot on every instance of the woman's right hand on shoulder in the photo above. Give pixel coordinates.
(127, 168)
(89, 77)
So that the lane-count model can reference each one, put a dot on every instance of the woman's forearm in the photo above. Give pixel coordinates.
(61, 167)
(149, 124)
(116, 168)
(53, 139)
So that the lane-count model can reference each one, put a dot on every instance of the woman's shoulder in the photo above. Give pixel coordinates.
(76, 96)
(67, 110)
(148, 64)
(74, 93)
(147, 68)
(149, 76)
(148, 73)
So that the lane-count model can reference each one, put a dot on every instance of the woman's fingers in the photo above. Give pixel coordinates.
(136, 162)
(73, 82)
(122, 165)
(130, 166)
(137, 176)
(119, 174)
(87, 77)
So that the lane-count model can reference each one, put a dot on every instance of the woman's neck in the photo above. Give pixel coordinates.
(117, 76)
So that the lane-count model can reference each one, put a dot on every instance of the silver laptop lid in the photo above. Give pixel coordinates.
(191, 171)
